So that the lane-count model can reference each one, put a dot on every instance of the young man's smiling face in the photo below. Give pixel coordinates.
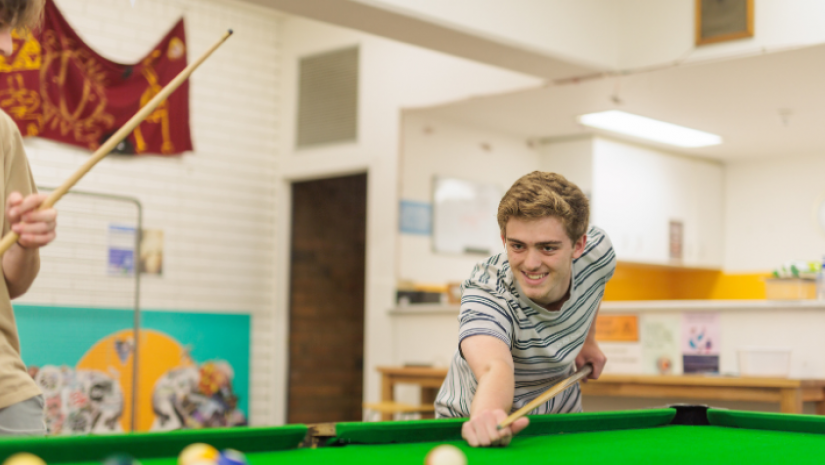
(541, 258)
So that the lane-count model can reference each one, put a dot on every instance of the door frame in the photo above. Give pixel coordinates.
(281, 296)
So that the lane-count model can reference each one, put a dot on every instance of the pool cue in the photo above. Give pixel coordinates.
(547, 395)
(9, 239)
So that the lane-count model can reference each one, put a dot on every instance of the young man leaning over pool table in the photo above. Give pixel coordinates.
(527, 313)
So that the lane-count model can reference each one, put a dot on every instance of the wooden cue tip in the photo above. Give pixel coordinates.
(231, 32)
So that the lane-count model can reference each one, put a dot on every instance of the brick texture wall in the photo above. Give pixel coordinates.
(216, 205)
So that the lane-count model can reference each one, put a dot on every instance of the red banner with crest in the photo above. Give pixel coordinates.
(55, 86)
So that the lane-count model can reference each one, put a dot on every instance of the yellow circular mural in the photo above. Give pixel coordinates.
(114, 355)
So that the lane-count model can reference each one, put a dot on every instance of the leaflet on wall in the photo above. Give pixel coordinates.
(121, 260)
(617, 328)
(618, 337)
(661, 354)
(700, 342)
(622, 357)
(415, 218)
(151, 251)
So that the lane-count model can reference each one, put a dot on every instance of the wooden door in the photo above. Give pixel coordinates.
(326, 333)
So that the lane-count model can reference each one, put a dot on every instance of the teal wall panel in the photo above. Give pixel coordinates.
(61, 335)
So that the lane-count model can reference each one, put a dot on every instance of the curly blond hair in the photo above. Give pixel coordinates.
(539, 195)
(21, 13)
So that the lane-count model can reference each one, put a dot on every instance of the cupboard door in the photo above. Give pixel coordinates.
(638, 191)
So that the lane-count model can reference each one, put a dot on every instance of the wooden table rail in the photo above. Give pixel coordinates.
(790, 394)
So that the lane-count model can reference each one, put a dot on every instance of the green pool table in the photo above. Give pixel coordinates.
(682, 435)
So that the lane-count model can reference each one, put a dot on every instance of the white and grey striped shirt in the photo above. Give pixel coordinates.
(544, 343)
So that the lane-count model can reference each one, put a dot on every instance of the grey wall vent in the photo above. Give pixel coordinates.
(328, 98)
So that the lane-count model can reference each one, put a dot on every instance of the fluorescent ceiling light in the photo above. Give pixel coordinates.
(650, 129)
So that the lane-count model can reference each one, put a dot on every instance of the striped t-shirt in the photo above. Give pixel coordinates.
(544, 343)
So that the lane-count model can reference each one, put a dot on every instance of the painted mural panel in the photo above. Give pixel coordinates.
(192, 368)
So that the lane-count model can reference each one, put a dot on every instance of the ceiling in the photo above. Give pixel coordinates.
(408, 27)
(763, 106)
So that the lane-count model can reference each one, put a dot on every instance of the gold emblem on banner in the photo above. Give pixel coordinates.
(26, 53)
(21, 103)
(160, 115)
(82, 114)
(176, 49)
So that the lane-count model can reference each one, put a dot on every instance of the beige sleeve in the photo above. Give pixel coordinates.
(17, 175)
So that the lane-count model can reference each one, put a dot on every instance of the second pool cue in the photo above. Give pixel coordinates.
(547, 395)
(11, 237)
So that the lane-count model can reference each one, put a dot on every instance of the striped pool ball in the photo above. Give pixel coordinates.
(232, 457)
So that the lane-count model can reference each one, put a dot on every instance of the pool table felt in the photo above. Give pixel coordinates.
(660, 445)
(445, 430)
(145, 446)
(614, 437)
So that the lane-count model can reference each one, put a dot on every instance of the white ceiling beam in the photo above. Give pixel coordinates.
(427, 33)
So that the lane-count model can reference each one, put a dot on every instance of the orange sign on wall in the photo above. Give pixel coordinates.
(617, 328)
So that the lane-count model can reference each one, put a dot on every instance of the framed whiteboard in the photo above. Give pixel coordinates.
(464, 216)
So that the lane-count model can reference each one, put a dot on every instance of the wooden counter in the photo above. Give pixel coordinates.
(789, 393)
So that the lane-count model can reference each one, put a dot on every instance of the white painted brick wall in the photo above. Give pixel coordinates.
(216, 205)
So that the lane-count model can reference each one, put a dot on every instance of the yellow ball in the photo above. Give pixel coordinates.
(24, 458)
(198, 453)
(446, 454)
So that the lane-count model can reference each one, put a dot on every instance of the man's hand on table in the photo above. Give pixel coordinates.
(481, 430)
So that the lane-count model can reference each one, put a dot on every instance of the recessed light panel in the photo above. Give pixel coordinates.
(648, 128)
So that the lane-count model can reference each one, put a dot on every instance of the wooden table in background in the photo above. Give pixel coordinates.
(788, 393)
(429, 379)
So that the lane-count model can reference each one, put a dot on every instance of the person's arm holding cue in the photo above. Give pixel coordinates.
(21, 262)
(591, 353)
(492, 364)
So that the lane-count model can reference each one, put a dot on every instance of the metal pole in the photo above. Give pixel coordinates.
(136, 305)
(136, 316)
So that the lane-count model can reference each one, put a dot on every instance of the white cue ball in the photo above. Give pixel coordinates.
(446, 454)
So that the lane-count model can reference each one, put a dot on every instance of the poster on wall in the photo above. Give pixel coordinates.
(618, 337)
(676, 240)
(617, 328)
(700, 342)
(151, 251)
(415, 218)
(660, 335)
(622, 357)
(121, 248)
(193, 368)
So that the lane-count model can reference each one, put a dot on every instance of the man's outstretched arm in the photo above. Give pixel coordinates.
(492, 364)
